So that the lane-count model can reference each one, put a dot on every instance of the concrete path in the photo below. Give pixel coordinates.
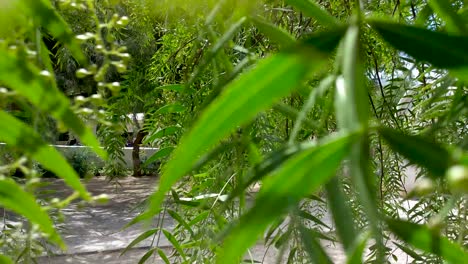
(94, 233)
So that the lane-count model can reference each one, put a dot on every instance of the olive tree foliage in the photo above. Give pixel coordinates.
(38, 48)
(324, 106)
(320, 104)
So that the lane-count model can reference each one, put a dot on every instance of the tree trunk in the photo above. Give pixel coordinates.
(136, 153)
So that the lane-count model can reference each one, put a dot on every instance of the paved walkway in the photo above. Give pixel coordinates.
(93, 233)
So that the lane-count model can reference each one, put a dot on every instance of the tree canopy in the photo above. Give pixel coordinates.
(323, 104)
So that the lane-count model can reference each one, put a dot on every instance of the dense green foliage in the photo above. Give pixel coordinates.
(323, 105)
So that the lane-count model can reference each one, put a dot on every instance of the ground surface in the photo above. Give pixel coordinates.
(94, 233)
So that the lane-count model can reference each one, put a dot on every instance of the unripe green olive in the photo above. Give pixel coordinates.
(81, 73)
(457, 178)
(123, 21)
(121, 68)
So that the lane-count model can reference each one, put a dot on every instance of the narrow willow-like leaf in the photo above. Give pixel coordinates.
(301, 117)
(171, 108)
(444, 9)
(291, 112)
(162, 153)
(312, 246)
(167, 131)
(147, 255)
(274, 33)
(308, 216)
(409, 251)
(298, 177)
(5, 260)
(45, 55)
(17, 134)
(174, 242)
(291, 255)
(419, 150)
(341, 213)
(202, 216)
(48, 18)
(352, 112)
(180, 220)
(274, 228)
(240, 101)
(163, 256)
(443, 51)
(223, 146)
(431, 241)
(274, 160)
(217, 48)
(14, 198)
(139, 239)
(356, 252)
(352, 108)
(24, 78)
(311, 9)
(424, 15)
(176, 87)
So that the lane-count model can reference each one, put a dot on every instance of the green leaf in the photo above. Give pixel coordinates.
(341, 212)
(428, 240)
(311, 9)
(180, 220)
(351, 94)
(163, 256)
(217, 48)
(274, 33)
(223, 146)
(292, 113)
(409, 251)
(424, 15)
(5, 260)
(312, 218)
(140, 238)
(291, 255)
(25, 79)
(48, 18)
(444, 9)
(14, 198)
(202, 216)
(443, 50)
(171, 108)
(147, 255)
(162, 153)
(355, 253)
(272, 79)
(269, 164)
(419, 150)
(167, 131)
(45, 58)
(174, 242)
(352, 112)
(18, 134)
(176, 87)
(300, 176)
(312, 246)
(311, 100)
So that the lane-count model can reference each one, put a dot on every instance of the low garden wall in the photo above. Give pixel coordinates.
(69, 151)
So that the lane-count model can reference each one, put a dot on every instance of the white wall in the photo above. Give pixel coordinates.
(68, 151)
